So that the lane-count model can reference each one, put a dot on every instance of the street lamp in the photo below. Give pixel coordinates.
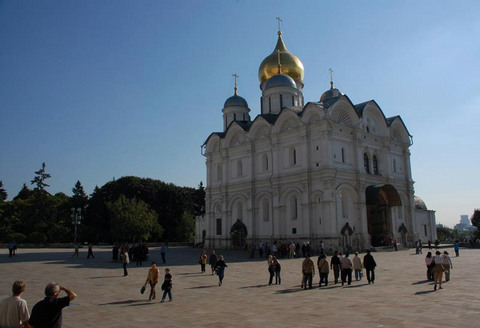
(76, 220)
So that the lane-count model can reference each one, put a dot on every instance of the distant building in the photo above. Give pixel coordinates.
(464, 224)
(327, 170)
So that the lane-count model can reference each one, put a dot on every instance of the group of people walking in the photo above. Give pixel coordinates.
(437, 265)
(342, 267)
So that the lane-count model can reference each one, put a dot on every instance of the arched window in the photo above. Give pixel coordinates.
(265, 210)
(344, 200)
(394, 165)
(366, 163)
(293, 156)
(293, 207)
(293, 101)
(264, 162)
(343, 155)
(281, 101)
(375, 165)
(219, 172)
(239, 168)
(269, 104)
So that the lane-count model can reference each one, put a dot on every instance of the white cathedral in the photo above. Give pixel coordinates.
(326, 170)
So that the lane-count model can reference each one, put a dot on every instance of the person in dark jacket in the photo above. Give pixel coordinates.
(369, 265)
(335, 266)
(213, 261)
(220, 269)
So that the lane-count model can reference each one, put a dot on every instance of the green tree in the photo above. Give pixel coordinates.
(79, 198)
(199, 200)
(476, 221)
(39, 180)
(3, 193)
(445, 233)
(132, 220)
(24, 193)
(185, 229)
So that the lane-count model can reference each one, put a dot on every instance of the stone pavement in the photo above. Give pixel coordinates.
(400, 297)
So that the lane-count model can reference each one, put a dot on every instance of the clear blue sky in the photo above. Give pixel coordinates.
(103, 89)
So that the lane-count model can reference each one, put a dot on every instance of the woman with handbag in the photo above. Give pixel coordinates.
(203, 260)
(438, 270)
(152, 279)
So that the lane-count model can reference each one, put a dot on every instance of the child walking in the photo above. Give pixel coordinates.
(167, 286)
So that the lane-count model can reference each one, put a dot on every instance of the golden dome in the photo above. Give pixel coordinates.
(290, 64)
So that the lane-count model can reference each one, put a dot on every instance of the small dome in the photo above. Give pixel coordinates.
(331, 93)
(419, 204)
(280, 80)
(235, 100)
(291, 65)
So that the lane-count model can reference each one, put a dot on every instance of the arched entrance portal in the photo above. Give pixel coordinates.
(238, 232)
(380, 199)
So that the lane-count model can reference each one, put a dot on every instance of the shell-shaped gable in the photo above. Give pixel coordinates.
(374, 119)
(235, 135)
(287, 120)
(260, 128)
(398, 130)
(343, 112)
(312, 113)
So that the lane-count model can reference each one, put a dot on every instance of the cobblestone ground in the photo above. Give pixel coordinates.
(400, 297)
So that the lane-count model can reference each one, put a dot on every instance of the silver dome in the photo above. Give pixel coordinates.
(280, 80)
(331, 93)
(235, 101)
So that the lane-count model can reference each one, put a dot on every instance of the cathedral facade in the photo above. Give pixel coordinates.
(327, 170)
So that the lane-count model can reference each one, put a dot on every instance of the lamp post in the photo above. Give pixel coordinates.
(76, 220)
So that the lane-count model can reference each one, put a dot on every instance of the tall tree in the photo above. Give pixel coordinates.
(39, 180)
(24, 193)
(476, 221)
(132, 220)
(79, 198)
(199, 200)
(3, 193)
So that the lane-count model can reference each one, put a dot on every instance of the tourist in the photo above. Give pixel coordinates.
(90, 251)
(335, 266)
(125, 260)
(357, 266)
(292, 249)
(346, 266)
(323, 270)
(308, 271)
(48, 312)
(369, 264)
(13, 309)
(260, 249)
(152, 279)
(270, 268)
(456, 247)
(10, 249)
(203, 260)
(304, 250)
(167, 286)
(75, 250)
(220, 269)
(437, 270)
(278, 268)
(447, 265)
(163, 252)
(213, 261)
(429, 264)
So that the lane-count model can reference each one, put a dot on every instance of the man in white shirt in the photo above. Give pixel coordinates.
(13, 310)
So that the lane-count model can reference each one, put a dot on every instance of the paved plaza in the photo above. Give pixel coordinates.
(400, 297)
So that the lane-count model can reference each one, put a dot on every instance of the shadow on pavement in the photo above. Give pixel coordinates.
(420, 282)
